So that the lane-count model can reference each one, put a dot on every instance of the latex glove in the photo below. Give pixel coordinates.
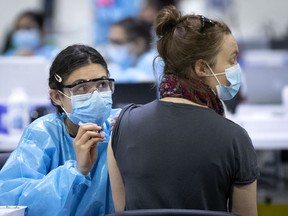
(85, 145)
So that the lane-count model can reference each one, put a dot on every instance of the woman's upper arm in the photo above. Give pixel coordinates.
(117, 186)
(244, 199)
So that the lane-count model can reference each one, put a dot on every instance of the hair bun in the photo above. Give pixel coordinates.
(166, 20)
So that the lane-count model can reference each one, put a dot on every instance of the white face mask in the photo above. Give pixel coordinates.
(233, 75)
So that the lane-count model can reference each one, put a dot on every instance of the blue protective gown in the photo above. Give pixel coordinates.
(142, 71)
(41, 173)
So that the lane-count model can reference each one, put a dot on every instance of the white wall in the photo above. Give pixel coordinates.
(74, 22)
(249, 19)
(260, 17)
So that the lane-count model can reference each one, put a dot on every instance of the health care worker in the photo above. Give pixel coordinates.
(130, 54)
(28, 37)
(59, 166)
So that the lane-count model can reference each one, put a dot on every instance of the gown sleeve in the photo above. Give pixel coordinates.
(33, 175)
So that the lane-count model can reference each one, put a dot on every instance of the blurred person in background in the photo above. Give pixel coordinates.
(59, 166)
(108, 12)
(130, 53)
(150, 8)
(27, 37)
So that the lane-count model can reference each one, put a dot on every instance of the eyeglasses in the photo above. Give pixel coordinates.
(118, 41)
(205, 23)
(89, 86)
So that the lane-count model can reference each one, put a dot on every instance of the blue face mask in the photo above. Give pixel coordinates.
(119, 54)
(26, 39)
(233, 75)
(90, 108)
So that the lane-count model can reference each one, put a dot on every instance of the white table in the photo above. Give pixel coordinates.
(267, 125)
(8, 143)
(12, 210)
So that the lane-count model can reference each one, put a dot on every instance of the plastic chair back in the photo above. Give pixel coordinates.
(175, 212)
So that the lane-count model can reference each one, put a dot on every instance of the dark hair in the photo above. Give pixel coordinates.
(159, 4)
(185, 39)
(136, 28)
(70, 59)
(37, 16)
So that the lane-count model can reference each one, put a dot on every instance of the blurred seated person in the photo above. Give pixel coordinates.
(108, 12)
(150, 9)
(27, 38)
(130, 53)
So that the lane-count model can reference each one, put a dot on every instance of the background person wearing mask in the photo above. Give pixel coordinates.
(59, 166)
(130, 53)
(28, 37)
(180, 151)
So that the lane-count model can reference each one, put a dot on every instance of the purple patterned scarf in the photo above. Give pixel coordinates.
(172, 86)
